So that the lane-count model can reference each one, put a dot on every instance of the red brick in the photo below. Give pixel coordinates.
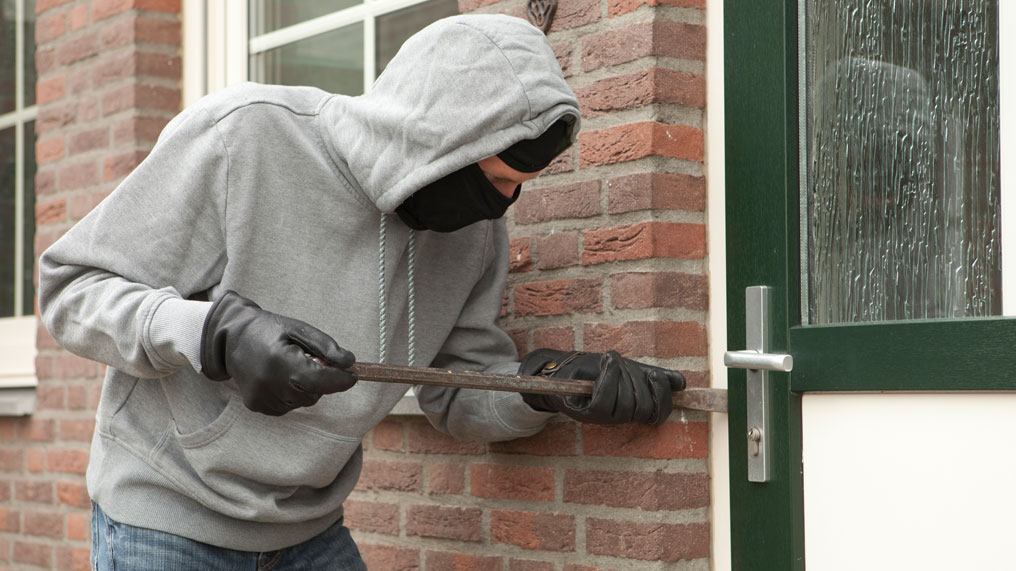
(512, 482)
(134, 96)
(77, 397)
(10, 521)
(157, 31)
(67, 461)
(138, 129)
(659, 191)
(639, 140)
(49, 524)
(50, 211)
(387, 435)
(81, 204)
(575, 13)
(73, 558)
(34, 491)
(45, 61)
(389, 557)
(77, 48)
(645, 87)
(375, 517)
(524, 565)
(37, 554)
(102, 9)
(49, 149)
(649, 38)
(660, 289)
(645, 490)
(643, 241)
(50, 26)
(443, 522)
(55, 116)
(79, 78)
(426, 439)
(135, 65)
(78, 526)
(618, 7)
(558, 297)
(446, 478)
(579, 200)
(529, 530)
(560, 338)
(5, 491)
(520, 337)
(88, 109)
(663, 339)
(563, 52)
(11, 459)
(77, 175)
(69, 366)
(35, 460)
(79, 17)
(73, 494)
(558, 250)
(666, 441)
(470, 5)
(647, 541)
(446, 561)
(121, 165)
(48, 398)
(42, 6)
(89, 140)
(519, 258)
(556, 439)
(391, 476)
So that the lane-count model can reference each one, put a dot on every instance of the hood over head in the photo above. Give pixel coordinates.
(462, 89)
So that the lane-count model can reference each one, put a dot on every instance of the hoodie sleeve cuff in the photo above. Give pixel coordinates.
(175, 332)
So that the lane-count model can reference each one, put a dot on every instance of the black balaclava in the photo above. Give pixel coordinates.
(467, 196)
(455, 201)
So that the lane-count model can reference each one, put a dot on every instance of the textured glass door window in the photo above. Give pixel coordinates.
(901, 171)
(332, 61)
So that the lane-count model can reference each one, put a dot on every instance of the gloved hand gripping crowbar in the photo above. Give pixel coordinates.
(711, 400)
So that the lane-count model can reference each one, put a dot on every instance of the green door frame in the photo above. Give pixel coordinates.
(760, 110)
(763, 248)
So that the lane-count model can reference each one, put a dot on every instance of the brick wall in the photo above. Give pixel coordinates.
(109, 73)
(608, 251)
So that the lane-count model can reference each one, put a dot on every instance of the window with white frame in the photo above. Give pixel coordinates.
(17, 206)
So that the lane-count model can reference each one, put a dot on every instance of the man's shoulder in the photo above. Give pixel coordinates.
(257, 98)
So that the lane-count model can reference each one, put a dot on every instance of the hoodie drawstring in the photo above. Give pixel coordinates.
(382, 301)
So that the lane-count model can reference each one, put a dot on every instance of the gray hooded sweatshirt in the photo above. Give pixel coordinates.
(278, 193)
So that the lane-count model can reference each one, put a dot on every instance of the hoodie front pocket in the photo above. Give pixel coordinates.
(257, 460)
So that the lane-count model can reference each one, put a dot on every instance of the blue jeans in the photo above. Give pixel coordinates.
(122, 547)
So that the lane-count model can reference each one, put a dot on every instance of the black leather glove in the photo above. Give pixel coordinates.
(276, 361)
(623, 390)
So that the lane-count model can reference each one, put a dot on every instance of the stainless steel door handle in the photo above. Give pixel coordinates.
(757, 360)
(758, 363)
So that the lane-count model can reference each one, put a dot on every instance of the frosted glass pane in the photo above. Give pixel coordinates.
(902, 169)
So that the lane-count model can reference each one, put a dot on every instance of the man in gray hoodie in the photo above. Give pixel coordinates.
(272, 234)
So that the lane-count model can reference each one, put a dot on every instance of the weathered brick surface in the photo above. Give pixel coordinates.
(558, 297)
(444, 522)
(389, 557)
(656, 191)
(647, 541)
(512, 482)
(531, 530)
(645, 490)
